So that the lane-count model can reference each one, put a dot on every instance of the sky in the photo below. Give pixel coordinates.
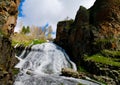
(42, 12)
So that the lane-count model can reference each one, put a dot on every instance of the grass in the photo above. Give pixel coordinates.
(104, 60)
(110, 53)
(25, 40)
(25, 43)
(36, 41)
(21, 39)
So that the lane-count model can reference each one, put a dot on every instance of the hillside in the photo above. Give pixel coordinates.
(92, 39)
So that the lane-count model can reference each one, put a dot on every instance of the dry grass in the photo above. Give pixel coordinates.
(21, 39)
(24, 39)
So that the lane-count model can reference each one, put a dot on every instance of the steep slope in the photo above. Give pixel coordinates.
(105, 16)
(92, 39)
(8, 16)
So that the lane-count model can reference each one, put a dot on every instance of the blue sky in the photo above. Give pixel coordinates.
(41, 12)
(20, 9)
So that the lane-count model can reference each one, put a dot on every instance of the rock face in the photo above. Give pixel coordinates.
(105, 16)
(77, 37)
(8, 16)
(92, 31)
(7, 62)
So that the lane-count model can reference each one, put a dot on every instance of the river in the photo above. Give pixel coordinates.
(42, 66)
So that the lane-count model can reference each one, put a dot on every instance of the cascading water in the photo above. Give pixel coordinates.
(42, 66)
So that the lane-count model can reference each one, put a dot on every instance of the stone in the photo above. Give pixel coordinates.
(71, 73)
(8, 17)
(92, 31)
(105, 16)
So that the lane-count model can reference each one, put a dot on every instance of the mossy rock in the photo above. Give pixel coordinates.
(98, 58)
(111, 53)
(15, 71)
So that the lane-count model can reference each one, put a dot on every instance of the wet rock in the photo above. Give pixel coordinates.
(104, 79)
(71, 73)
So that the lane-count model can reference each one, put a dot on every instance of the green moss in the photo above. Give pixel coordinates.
(80, 84)
(81, 69)
(68, 24)
(2, 33)
(104, 60)
(36, 41)
(15, 71)
(110, 53)
(62, 84)
(103, 41)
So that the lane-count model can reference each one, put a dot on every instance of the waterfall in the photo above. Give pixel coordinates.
(42, 66)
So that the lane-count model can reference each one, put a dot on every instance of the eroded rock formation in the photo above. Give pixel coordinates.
(93, 31)
(77, 36)
(105, 16)
(8, 16)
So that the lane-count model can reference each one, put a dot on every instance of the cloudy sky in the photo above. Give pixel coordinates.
(40, 12)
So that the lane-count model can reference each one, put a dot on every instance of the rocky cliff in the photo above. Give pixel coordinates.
(76, 36)
(8, 16)
(92, 39)
(105, 16)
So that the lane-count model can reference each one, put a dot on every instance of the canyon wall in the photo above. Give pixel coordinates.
(8, 17)
(94, 31)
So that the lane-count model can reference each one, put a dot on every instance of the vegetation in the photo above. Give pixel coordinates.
(104, 60)
(110, 53)
(37, 41)
(15, 71)
(68, 24)
(2, 33)
(33, 35)
(25, 30)
(80, 84)
(21, 39)
(81, 69)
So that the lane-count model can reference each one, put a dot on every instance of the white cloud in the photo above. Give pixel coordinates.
(19, 24)
(40, 12)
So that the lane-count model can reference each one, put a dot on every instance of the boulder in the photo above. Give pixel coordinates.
(71, 73)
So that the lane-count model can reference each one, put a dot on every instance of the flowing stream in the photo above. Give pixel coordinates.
(42, 66)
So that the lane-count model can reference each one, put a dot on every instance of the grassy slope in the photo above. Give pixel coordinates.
(104, 60)
(25, 40)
